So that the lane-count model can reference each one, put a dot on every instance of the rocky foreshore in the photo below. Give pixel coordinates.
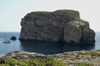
(70, 58)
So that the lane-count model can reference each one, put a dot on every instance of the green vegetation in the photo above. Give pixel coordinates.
(91, 52)
(74, 63)
(97, 50)
(49, 61)
(66, 53)
(72, 59)
(80, 64)
(81, 53)
(84, 64)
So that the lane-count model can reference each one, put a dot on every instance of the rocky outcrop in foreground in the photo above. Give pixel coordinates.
(70, 58)
(60, 26)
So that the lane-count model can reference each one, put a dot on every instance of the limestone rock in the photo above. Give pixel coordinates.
(78, 32)
(28, 55)
(61, 25)
(1, 59)
(13, 38)
(70, 58)
(21, 54)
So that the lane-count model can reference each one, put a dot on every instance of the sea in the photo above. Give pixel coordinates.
(42, 47)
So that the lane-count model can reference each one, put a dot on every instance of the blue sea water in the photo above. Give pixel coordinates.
(42, 47)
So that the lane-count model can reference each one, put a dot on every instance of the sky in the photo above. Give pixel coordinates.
(12, 11)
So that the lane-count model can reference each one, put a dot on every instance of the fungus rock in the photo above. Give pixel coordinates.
(59, 26)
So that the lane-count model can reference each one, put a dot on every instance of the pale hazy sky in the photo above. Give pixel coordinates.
(11, 11)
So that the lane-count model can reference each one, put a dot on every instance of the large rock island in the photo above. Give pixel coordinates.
(59, 26)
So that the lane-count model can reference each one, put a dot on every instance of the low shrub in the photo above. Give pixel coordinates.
(49, 61)
(84, 64)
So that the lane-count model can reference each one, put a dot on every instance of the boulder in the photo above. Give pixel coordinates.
(21, 55)
(29, 55)
(58, 26)
(13, 38)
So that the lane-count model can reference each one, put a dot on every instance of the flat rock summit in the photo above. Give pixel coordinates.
(58, 26)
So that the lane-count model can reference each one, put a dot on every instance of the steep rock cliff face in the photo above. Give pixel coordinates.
(78, 32)
(61, 25)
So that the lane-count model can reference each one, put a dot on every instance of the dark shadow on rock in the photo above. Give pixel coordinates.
(52, 47)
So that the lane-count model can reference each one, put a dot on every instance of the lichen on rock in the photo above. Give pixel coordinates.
(59, 26)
